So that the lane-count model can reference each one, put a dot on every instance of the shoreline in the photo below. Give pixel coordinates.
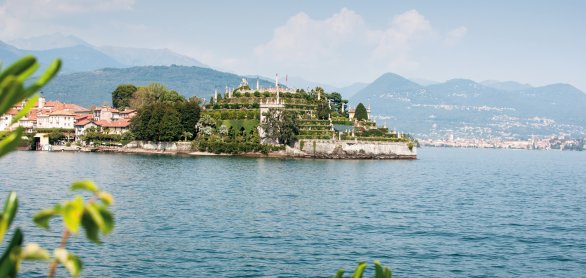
(278, 154)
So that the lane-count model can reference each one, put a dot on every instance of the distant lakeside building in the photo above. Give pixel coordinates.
(55, 115)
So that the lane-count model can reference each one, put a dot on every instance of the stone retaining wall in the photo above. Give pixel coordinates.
(348, 149)
(175, 147)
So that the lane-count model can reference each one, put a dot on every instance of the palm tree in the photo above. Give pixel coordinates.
(186, 135)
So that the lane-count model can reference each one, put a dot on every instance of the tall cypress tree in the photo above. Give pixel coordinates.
(361, 113)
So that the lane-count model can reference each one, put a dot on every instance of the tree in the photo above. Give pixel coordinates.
(186, 135)
(189, 112)
(205, 126)
(336, 101)
(281, 126)
(139, 124)
(163, 115)
(55, 136)
(154, 93)
(323, 110)
(157, 122)
(170, 124)
(122, 95)
(361, 113)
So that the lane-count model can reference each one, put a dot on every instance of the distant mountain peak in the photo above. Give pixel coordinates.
(394, 80)
(506, 85)
(558, 88)
(387, 83)
(460, 81)
(50, 41)
(133, 56)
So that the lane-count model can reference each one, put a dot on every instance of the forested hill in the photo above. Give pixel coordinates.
(95, 87)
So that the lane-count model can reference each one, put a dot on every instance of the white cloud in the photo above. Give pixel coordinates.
(394, 45)
(304, 39)
(454, 36)
(22, 18)
(344, 45)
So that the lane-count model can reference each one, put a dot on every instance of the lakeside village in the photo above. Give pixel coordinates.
(554, 142)
(277, 121)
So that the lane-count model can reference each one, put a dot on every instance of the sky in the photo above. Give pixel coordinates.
(333, 42)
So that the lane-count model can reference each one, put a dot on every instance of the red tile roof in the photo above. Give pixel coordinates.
(82, 116)
(12, 111)
(52, 103)
(76, 108)
(83, 122)
(62, 113)
(57, 105)
(118, 123)
(107, 108)
(32, 115)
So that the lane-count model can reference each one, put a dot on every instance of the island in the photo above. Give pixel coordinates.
(275, 122)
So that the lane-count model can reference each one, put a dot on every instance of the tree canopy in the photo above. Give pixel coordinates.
(361, 112)
(336, 101)
(154, 93)
(323, 110)
(122, 95)
(163, 115)
(281, 126)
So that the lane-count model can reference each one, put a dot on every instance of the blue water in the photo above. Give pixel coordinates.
(452, 213)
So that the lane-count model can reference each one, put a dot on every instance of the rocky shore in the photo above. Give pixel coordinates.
(318, 149)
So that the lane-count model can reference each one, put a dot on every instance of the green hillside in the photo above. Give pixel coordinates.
(95, 87)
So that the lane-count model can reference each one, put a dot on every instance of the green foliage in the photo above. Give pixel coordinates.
(281, 126)
(154, 93)
(127, 137)
(95, 211)
(336, 101)
(379, 271)
(361, 113)
(375, 132)
(94, 135)
(186, 135)
(55, 136)
(225, 114)
(205, 126)
(122, 95)
(14, 90)
(323, 110)
(166, 120)
(189, 113)
(93, 216)
(49, 130)
(237, 125)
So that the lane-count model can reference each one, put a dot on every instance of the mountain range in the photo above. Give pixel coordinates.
(468, 109)
(428, 109)
(95, 87)
(80, 56)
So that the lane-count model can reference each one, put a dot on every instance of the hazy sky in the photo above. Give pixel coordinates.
(334, 42)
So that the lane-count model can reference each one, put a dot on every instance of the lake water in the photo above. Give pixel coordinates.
(451, 213)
